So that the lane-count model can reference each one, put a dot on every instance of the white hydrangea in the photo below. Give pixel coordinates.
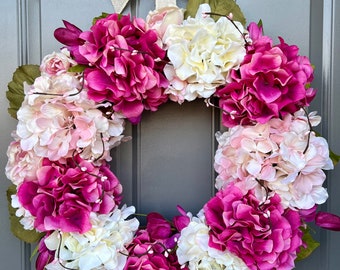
(202, 52)
(27, 220)
(103, 247)
(193, 249)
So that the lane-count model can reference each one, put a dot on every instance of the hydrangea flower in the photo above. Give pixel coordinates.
(283, 156)
(202, 53)
(101, 248)
(21, 164)
(153, 247)
(263, 235)
(272, 81)
(125, 63)
(194, 250)
(63, 195)
(57, 119)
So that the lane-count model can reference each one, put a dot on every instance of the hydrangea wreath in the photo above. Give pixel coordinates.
(71, 111)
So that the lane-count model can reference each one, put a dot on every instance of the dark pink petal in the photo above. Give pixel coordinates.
(328, 221)
(157, 226)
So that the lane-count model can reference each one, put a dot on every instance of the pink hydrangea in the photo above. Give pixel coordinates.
(154, 247)
(63, 195)
(264, 236)
(272, 81)
(21, 164)
(56, 125)
(282, 156)
(125, 64)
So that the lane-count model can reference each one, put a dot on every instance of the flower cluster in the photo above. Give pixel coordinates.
(102, 247)
(125, 60)
(270, 163)
(202, 52)
(282, 156)
(272, 81)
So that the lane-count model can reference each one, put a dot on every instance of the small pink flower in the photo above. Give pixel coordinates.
(159, 20)
(56, 63)
(264, 236)
(63, 195)
(272, 81)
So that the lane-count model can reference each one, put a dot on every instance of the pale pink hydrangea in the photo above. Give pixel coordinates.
(56, 63)
(101, 248)
(55, 126)
(21, 164)
(282, 155)
(202, 52)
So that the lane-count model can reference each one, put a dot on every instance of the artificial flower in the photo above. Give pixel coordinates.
(271, 81)
(63, 195)
(125, 64)
(21, 164)
(283, 156)
(102, 247)
(263, 235)
(153, 247)
(202, 52)
(194, 250)
(57, 119)
(56, 63)
(160, 19)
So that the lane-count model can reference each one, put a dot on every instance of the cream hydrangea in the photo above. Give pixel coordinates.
(202, 52)
(193, 249)
(101, 248)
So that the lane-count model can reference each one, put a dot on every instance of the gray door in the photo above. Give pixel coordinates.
(170, 158)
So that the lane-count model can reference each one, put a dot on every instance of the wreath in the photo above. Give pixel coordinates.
(71, 111)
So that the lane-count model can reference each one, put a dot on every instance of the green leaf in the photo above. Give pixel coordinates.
(15, 93)
(95, 19)
(225, 7)
(28, 236)
(77, 68)
(334, 157)
(192, 7)
(221, 7)
(310, 242)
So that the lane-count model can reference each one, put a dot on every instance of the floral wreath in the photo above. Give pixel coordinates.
(71, 111)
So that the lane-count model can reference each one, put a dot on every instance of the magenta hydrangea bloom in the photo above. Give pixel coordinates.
(125, 63)
(63, 195)
(264, 236)
(272, 81)
(154, 247)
